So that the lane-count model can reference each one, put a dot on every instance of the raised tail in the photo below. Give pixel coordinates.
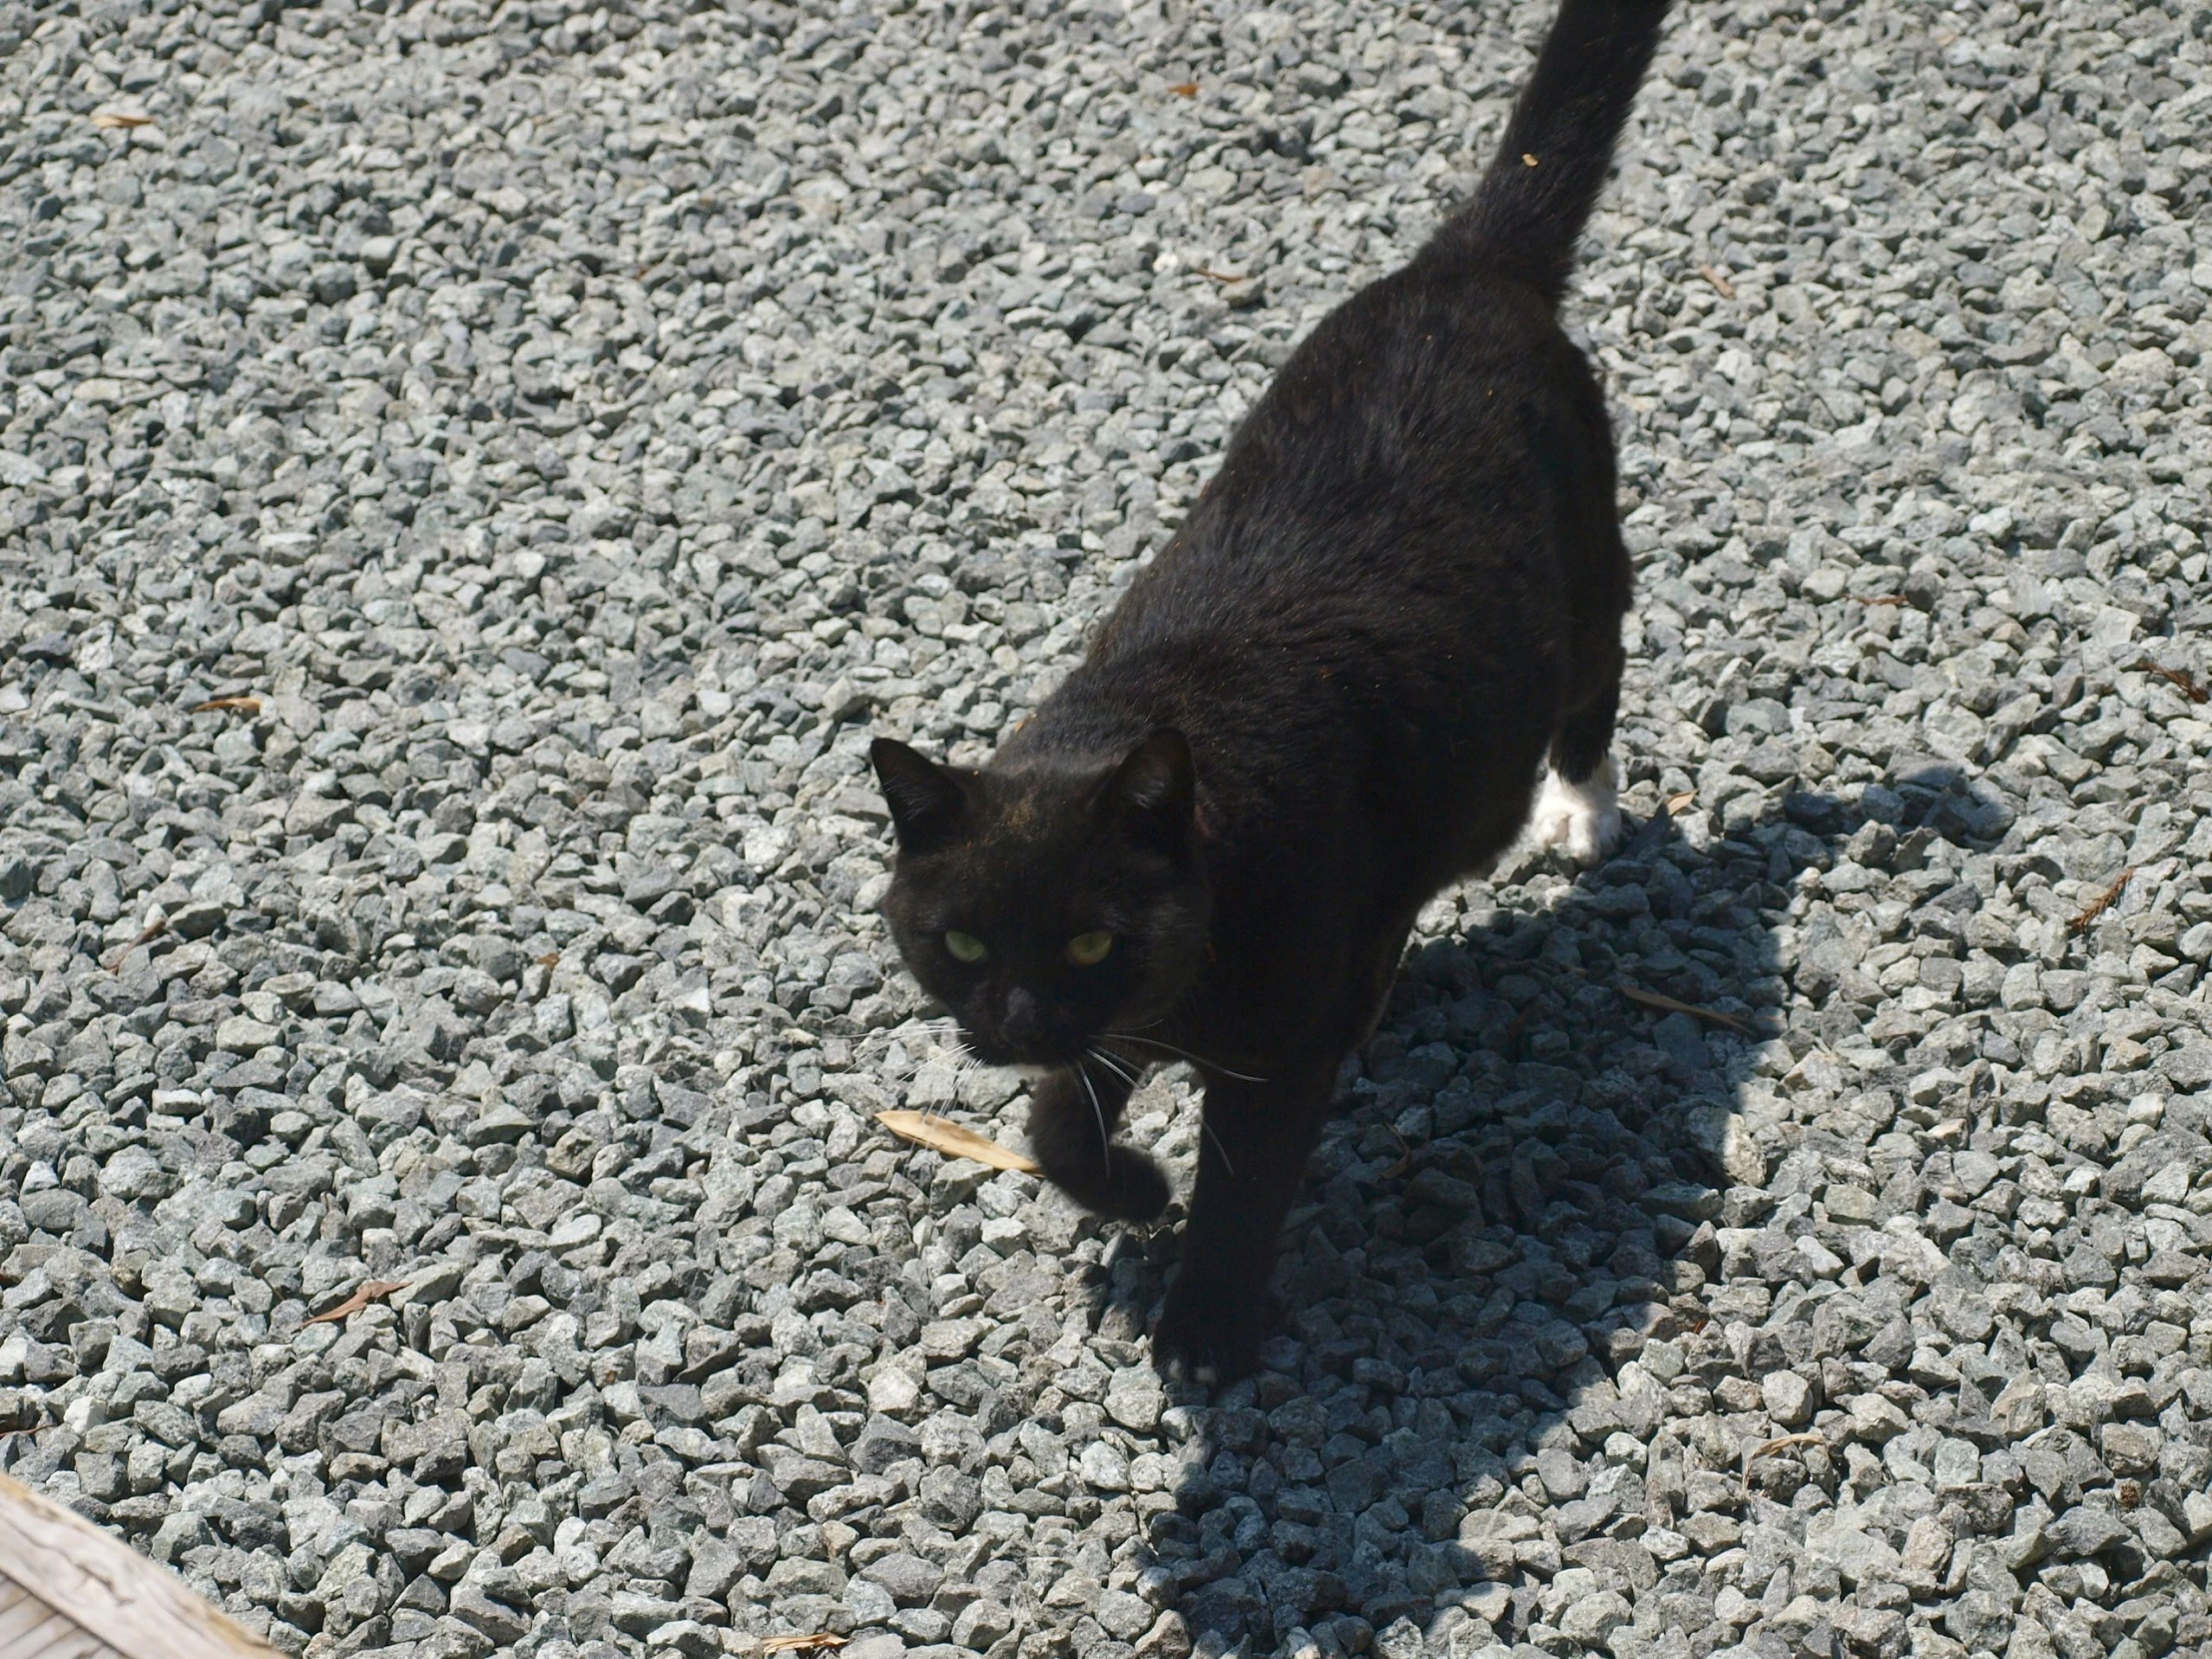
(1527, 215)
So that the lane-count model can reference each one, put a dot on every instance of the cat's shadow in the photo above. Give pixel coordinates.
(1503, 1255)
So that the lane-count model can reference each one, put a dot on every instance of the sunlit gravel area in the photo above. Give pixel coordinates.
(471, 482)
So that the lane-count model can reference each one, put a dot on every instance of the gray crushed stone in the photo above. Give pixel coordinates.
(578, 427)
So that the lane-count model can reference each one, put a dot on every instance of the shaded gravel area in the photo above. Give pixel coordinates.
(575, 429)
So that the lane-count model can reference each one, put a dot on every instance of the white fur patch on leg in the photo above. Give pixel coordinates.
(1583, 818)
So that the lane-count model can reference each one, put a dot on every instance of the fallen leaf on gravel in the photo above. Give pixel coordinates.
(802, 1644)
(1781, 1442)
(2181, 678)
(145, 935)
(115, 119)
(244, 705)
(1719, 278)
(1667, 1004)
(1679, 803)
(1185, 89)
(1885, 599)
(2102, 903)
(1405, 1155)
(1513, 1031)
(940, 1135)
(370, 1292)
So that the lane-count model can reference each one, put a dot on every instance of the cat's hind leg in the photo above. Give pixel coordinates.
(1578, 808)
(1582, 818)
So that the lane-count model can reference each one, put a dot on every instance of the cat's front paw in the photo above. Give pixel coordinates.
(1124, 1185)
(1071, 1133)
(1583, 818)
(1211, 1336)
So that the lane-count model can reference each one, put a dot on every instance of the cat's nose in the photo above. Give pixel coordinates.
(1022, 1020)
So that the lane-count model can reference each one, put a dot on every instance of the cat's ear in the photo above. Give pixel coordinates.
(1155, 788)
(926, 799)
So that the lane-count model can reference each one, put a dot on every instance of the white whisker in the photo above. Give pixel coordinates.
(903, 1050)
(909, 1028)
(1186, 1055)
(1105, 1146)
(1218, 1147)
(1114, 1063)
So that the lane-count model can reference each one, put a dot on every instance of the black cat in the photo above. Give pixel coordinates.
(1329, 697)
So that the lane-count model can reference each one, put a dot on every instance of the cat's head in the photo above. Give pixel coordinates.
(1047, 904)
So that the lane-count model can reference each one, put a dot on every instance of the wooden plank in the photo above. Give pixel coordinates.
(31, 1629)
(26, 1613)
(99, 1583)
(22, 1615)
(69, 1642)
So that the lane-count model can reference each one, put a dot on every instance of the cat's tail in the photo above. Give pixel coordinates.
(1527, 215)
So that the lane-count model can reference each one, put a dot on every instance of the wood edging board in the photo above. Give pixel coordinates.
(107, 1590)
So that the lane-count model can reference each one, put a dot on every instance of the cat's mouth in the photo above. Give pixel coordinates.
(1023, 1062)
(1028, 1060)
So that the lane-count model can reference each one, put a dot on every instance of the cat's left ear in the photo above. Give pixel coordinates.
(1155, 787)
(926, 799)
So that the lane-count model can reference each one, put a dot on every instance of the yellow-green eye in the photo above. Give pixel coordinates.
(1089, 949)
(964, 947)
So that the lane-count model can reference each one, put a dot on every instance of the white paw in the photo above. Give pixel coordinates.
(1583, 818)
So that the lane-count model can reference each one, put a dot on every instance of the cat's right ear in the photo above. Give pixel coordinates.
(1155, 788)
(926, 799)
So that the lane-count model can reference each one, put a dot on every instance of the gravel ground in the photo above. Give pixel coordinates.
(579, 429)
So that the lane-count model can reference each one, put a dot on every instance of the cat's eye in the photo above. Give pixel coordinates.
(1089, 949)
(964, 947)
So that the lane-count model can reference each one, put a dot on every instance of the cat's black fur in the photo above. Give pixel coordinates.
(1327, 698)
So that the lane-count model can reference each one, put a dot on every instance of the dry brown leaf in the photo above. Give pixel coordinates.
(1719, 278)
(550, 960)
(802, 1644)
(2103, 901)
(2179, 678)
(1885, 599)
(1405, 1155)
(1781, 1442)
(214, 705)
(373, 1291)
(1681, 803)
(940, 1135)
(145, 935)
(1667, 1004)
(117, 120)
(1185, 89)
